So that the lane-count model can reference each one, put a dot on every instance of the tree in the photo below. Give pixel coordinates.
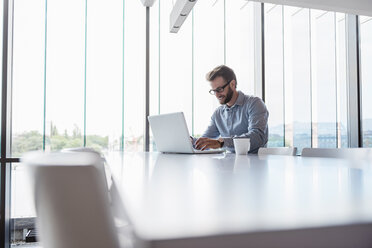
(33, 140)
(76, 133)
(26, 141)
(53, 130)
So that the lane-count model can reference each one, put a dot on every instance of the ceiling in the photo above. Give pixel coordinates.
(357, 7)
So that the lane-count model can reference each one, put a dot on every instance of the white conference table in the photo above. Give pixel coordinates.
(224, 200)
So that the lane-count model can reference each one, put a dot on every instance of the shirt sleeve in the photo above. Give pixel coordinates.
(257, 126)
(212, 130)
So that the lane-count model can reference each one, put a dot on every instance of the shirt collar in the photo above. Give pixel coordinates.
(239, 101)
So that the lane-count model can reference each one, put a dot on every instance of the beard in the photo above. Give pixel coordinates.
(228, 97)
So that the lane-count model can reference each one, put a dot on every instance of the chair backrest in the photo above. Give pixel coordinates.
(116, 203)
(349, 153)
(100, 166)
(288, 151)
(71, 200)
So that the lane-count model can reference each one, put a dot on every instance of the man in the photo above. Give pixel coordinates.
(239, 115)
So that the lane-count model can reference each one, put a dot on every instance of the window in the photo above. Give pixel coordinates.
(75, 83)
(175, 66)
(64, 74)
(28, 76)
(300, 76)
(155, 39)
(239, 37)
(366, 78)
(28, 107)
(179, 62)
(208, 53)
(305, 80)
(104, 77)
(274, 80)
(329, 79)
(134, 74)
(342, 126)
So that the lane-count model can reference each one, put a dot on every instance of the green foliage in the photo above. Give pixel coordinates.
(33, 140)
(275, 140)
(27, 141)
(59, 142)
(96, 142)
(53, 130)
(76, 133)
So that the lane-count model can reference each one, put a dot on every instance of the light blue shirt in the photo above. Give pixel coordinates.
(246, 118)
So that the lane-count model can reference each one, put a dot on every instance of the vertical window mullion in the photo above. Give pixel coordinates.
(5, 168)
(192, 71)
(85, 74)
(45, 70)
(259, 51)
(122, 83)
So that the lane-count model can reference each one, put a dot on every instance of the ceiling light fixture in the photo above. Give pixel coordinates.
(148, 3)
(179, 14)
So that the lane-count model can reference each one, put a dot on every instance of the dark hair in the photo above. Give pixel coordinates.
(222, 71)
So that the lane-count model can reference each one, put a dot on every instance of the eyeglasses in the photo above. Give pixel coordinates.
(219, 89)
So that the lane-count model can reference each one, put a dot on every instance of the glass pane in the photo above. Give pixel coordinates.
(134, 74)
(305, 54)
(176, 66)
(240, 42)
(27, 109)
(155, 54)
(297, 77)
(28, 76)
(342, 139)
(324, 109)
(65, 74)
(104, 75)
(22, 206)
(366, 77)
(274, 73)
(208, 53)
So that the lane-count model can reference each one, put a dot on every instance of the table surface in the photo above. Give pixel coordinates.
(176, 196)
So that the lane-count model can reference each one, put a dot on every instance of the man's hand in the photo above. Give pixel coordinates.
(207, 143)
(192, 141)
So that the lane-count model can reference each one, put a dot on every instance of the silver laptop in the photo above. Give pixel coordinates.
(171, 134)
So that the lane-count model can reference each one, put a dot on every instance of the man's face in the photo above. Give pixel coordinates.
(224, 96)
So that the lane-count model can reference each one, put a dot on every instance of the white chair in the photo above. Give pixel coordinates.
(101, 166)
(115, 199)
(349, 153)
(288, 151)
(71, 200)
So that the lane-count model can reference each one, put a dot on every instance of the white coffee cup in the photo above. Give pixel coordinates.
(242, 145)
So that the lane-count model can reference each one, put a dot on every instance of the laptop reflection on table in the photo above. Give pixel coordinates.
(171, 134)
